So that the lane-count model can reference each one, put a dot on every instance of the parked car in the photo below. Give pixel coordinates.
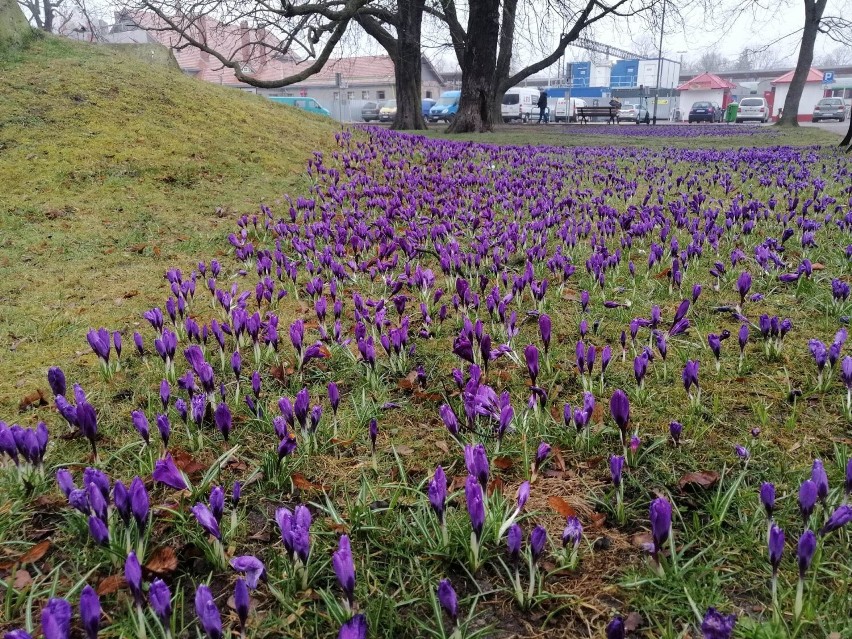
(519, 104)
(427, 104)
(830, 109)
(308, 104)
(388, 111)
(562, 112)
(446, 107)
(705, 112)
(631, 113)
(756, 109)
(370, 111)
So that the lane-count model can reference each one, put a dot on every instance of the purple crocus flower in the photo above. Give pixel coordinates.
(538, 539)
(616, 466)
(99, 340)
(807, 499)
(449, 418)
(690, 374)
(715, 625)
(541, 454)
(448, 599)
(805, 551)
(531, 357)
(90, 612)
(767, 497)
(164, 428)
(619, 408)
(514, 538)
(661, 522)
(98, 530)
(743, 285)
(160, 599)
(207, 520)
(208, 613)
(438, 493)
(675, 430)
(475, 505)
(56, 619)
(355, 628)
(217, 502)
(543, 326)
(17, 634)
(776, 547)
(56, 379)
(476, 461)
(573, 533)
(87, 422)
(223, 420)
(344, 568)
(242, 602)
(251, 566)
(820, 478)
(139, 502)
(133, 576)
(140, 345)
(333, 396)
(140, 423)
(167, 473)
(841, 516)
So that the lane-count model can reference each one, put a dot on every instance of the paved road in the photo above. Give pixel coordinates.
(840, 128)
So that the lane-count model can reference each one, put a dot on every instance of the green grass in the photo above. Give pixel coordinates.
(112, 170)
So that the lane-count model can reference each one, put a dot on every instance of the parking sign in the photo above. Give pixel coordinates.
(828, 77)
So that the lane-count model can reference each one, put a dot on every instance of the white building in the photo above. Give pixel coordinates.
(812, 93)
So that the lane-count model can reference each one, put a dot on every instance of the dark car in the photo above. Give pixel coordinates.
(705, 112)
(427, 104)
(370, 111)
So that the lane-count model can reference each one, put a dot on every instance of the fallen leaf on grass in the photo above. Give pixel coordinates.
(598, 413)
(186, 462)
(701, 479)
(495, 486)
(110, 585)
(36, 552)
(442, 446)
(633, 622)
(163, 561)
(402, 449)
(22, 579)
(558, 459)
(408, 382)
(303, 483)
(562, 507)
(502, 463)
(33, 399)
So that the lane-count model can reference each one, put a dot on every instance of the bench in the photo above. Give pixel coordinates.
(584, 113)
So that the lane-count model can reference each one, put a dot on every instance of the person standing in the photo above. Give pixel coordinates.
(542, 106)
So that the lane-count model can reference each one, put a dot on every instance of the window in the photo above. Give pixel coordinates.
(429, 95)
(365, 95)
(756, 102)
(350, 95)
(336, 95)
(511, 98)
(380, 95)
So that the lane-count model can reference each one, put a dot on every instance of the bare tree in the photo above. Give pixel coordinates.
(485, 48)
(301, 30)
(712, 61)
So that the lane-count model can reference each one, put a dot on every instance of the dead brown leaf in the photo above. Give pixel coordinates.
(22, 579)
(186, 462)
(402, 449)
(700, 479)
(130, 294)
(408, 382)
(33, 399)
(35, 552)
(598, 413)
(303, 483)
(558, 459)
(562, 507)
(633, 622)
(111, 584)
(442, 446)
(163, 561)
(502, 463)
(495, 486)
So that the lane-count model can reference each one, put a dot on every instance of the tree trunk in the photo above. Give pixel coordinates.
(480, 61)
(848, 137)
(813, 15)
(47, 23)
(408, 67)
(504, 57)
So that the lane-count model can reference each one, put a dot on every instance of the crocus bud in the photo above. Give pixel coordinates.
(167, 473)
(90, 612)
(208, 613)
(448, 599)
(805, 552)
(251, 566)
(438, 493)
(767, 497)
(344, 568)
(133, 576)
(242, 602)
(56, 379)
(56, 619)
(160, 598)
(355, 628)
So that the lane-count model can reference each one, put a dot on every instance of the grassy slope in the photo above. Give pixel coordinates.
(111, 171)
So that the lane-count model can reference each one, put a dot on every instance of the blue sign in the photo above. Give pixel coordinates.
(828, 77)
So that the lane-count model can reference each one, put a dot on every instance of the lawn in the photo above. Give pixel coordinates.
(431, 388)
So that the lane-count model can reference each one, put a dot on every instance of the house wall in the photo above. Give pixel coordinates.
(811, 94)
(688, 98)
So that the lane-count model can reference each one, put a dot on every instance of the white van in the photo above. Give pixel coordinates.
(563, 112)
(519, 104)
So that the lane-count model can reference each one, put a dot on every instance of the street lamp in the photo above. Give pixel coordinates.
(659, 61)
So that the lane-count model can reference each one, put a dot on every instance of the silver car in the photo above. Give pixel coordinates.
(830, 109)
(755, 109)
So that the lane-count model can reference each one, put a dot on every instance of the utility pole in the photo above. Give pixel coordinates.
(659, 61)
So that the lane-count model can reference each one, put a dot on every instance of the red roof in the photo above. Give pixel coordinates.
(706, 82)
(814, 75)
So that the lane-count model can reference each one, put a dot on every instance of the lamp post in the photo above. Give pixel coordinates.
(659, 61)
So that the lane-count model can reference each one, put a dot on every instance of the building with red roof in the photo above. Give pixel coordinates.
(811, 94)
(706, 87)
